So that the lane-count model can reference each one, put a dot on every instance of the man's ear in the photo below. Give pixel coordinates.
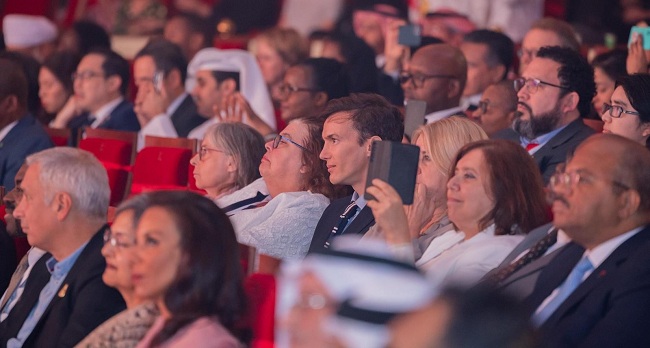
(369, 143)
(320, 99)
(453, 88)
(62, 203)
(570, 102)
(173, 78)
(9, 104)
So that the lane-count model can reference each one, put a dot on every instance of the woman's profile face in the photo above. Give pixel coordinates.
(429, 173)
(158, 253)
(282, 166)
(214, 168)
(604, 89)
(51, 91)
(118, 251)
(270, 62)
(627, 125)
(468, 196)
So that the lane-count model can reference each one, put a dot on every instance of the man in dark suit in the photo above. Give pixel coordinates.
(554, 92)
(63, 211)
(352, 124)
(172, 102)
(596, 291)
(20, 133)
(100, 85)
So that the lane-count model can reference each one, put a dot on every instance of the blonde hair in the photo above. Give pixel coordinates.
(291, 47)
(442, 139)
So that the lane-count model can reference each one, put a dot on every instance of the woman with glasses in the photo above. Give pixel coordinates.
(187, 261)
(494, 193)
(282, 224)
(228, 159)
(127, 328)
(628, 113)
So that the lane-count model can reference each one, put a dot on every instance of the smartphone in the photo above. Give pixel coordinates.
(409, 35)
(158, 81)
(640, 31)
(413, 116)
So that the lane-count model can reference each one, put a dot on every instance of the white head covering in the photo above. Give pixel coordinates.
(251, 82)
(368, 282)
(24, 31)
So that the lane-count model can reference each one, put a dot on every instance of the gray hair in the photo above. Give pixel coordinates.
(242, 142)
(137, 204)
(76, 172)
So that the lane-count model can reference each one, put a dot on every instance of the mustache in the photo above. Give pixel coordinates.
(526, 106)
(552, 196)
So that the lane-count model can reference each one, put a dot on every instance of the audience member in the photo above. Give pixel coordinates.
(31, 69)
(497, 107)
(601, 200)
(11, 200)
(55, 84)
(20, 133)
(628, 112)
(308, 86)
(100, 85)
(352, 124)
(488, 208)
(228, 159)
(34, 36)
(489, 58)
(190, 32)
(426, 218)
(128, 327)
(370, 24)
(140, 17)
(447, 25)
(346, 296)
(546, 32)
(554, 92)
(187, 260)
(63, 212)
(308, 16)
(162, 105)
(436, 75)
(283, 224)
(464, 319)
(608, 68)
(84, 36)
(219, 79)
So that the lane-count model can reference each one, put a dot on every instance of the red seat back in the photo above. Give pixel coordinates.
(261, 292)
(160, 168)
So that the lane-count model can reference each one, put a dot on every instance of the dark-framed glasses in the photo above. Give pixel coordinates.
(419, 79)
(532, 85)
(282, 139)
(117, 240)
(85, 75)
(616, 111)
(286, 89)
(483, 106)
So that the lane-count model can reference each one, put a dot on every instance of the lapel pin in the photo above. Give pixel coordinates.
(63, 290)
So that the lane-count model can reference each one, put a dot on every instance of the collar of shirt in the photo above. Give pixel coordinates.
(359, 200)
(380, 61)
(59, 269)
(439, 115)
(541, 140)
(4, 131)
(601, 252)
(102, 113)
(176, 103)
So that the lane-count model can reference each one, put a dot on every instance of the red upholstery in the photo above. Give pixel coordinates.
(115, 155)
(261, 289)
(160, 168)
(59, 137)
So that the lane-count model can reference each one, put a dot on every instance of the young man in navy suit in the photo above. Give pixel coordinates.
(352, 124)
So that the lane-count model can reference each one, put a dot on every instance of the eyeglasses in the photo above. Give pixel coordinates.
(286, 89)
(525, 52)
(483, 106)
(571, 179)
(85, 75)
(616, 111)
(418, 79)
(117, 241)
(533, 84)
(282, 139)
(314, 301)
(204, 150)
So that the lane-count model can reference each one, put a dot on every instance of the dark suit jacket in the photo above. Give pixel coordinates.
(7, 258)
(185, 118)
(26, 138)
(82, 303)
(555, 151)
(331, 217)
(122, 118)
(610, 308)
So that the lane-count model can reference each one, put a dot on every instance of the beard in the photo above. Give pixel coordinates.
(536, 125)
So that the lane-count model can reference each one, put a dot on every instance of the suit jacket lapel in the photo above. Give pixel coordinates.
(531, 268)
(565, 135)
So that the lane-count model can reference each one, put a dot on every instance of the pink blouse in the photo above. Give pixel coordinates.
(203, 332)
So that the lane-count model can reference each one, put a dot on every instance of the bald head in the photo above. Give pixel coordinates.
(439, 73)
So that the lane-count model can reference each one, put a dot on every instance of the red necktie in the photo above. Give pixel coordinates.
(531, 146)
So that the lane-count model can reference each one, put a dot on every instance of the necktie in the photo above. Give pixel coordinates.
(535, 252)
(347, 214)
(15, 281)
(531, 146)
(570, 284)
(258, 198)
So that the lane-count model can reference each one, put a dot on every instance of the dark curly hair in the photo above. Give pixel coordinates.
(209, 280)
(575, 74)
(519, 198)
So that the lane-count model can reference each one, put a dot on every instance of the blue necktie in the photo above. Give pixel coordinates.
(570, 284)
(348, 213)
